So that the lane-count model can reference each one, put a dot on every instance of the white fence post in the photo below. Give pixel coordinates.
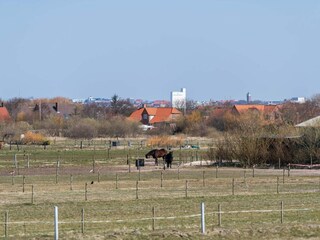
(15, 162)
(203, 224)
(56, 227)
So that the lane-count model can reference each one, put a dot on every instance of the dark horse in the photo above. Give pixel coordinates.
(157, 153)
(168, 160)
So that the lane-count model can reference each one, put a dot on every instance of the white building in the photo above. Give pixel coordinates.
(298, 100)
(179, 99)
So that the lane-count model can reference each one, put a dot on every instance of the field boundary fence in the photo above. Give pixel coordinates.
(214, 218)
(135, 187)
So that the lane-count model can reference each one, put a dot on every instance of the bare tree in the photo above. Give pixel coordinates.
(121, 106)
(94, 110)
(81, 128)
(15, 106)
(118, 126)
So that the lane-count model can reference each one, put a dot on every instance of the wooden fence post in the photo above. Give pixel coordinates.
(57, 171)
(137, 189)
(6, 222)
(253, 171)
(277, 185)
(139, 177)
(129, 166)
(116, 180)
(82, 220)
(15, 161)
(203, 179)
(98, 176)
(232, 186)
(18, 168)
(86, 191)
(283, 173)
(71, 180)
(219, 215)
(161, 179)
(23, 182)
(153, 218)
(186, 188)
(32, 194)
(245, 176)
(217, 171)
(93, 164)
(281, 211)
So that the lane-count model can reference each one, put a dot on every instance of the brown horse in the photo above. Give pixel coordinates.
(157, 153)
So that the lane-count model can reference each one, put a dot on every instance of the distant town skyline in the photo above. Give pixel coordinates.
(217, 50)
(182, 100)
(167, 100)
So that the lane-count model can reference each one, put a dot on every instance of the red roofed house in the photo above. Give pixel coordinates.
(4, 114)
(270, 112)
(151, 115)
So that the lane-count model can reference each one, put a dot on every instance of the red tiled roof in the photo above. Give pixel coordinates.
(159, 114)
(151, 111)
(4, 114)
(219, 111)
(260, 108)
(162, 115)
(136, 115)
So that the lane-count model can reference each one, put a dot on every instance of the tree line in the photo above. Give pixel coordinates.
(251, 137)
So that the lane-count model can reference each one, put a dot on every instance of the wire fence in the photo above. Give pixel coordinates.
(140, 188)
(280, 214)
(153, 185)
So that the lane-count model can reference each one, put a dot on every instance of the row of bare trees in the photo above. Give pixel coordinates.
(257, 146)
(96, 119)
(82, 128)
(33, 110)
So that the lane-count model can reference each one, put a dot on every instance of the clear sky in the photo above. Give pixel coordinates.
(216, 49)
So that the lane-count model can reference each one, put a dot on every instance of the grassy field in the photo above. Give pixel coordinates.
(100, 196)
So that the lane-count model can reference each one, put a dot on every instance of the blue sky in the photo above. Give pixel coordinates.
(216, 49)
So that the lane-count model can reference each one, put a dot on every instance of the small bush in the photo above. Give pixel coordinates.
(164, 141)
(34, 138)
(82, 128)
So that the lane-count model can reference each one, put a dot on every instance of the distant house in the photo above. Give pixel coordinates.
(152, 115)
(269, 112)
(219, 112)
(4, 114)
(64, 110)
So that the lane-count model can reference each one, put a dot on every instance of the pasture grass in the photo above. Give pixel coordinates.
(116, 213)
(115, 209)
